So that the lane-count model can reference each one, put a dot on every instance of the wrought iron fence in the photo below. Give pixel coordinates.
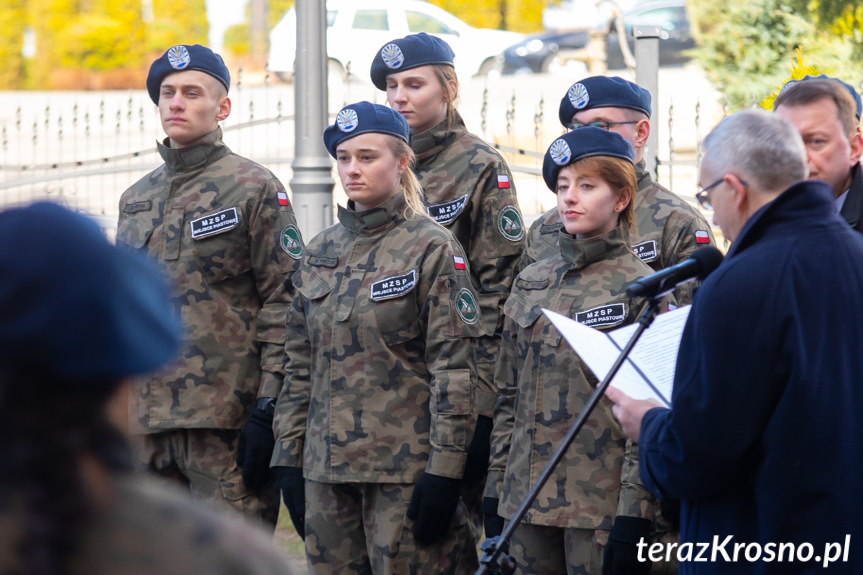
(84, 149)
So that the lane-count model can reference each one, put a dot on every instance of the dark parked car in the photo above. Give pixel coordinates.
(549, 51)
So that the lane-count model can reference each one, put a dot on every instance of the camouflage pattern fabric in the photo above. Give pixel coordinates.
(470, 190)
(206, 461)
(147, 527)
(541, 550)
(222, 229)
(667, 231)
(362, 528)
(379, 371)
(586, 282)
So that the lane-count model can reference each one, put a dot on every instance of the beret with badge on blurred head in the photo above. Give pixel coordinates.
(186, 57)
(603, 92)
(409, 52)
(362, 118)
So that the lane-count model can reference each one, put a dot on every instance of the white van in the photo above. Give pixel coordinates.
(357, 29)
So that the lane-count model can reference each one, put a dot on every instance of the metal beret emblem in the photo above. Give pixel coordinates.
(347, 120)
(560, 152)
(578, 96)
(392, 56)
(178, 57)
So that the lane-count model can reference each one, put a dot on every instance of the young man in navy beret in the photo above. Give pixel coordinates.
(223, 230)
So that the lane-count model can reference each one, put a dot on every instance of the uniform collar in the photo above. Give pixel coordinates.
(376, 220)
(206, 151)
(435, 139)
(584, 252)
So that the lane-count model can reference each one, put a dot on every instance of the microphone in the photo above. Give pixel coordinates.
(699, 265)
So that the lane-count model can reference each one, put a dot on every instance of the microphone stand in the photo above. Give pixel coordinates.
(495, 560)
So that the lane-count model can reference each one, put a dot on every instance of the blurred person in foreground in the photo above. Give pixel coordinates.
(826, 112)
(77, 317)
(762, 441)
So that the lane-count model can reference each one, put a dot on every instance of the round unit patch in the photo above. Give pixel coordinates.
(178, 57)
(560, 152)
(392, 56)
(289, 239)
(466, 307)
(510, 224)
(578, 96)
(347, 120)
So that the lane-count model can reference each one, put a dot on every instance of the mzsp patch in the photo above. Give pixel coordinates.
(466, 307)
(447, 212)
(510, 224)
(289, 240)
(602, 316)
(215, 223)
(646, 251)
(394, 286)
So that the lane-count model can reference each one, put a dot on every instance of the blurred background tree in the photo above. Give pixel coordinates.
(748, 47)
(515, 15)
(12, 27)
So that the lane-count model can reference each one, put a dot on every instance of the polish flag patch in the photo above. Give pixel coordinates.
(702, 237)
(459, 263)
(502, 181)
(283, 198)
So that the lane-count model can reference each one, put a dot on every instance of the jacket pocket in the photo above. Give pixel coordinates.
(223, 254)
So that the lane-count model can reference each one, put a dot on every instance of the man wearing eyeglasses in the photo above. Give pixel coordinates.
(762, 441)
(826, 112)
(668, 228)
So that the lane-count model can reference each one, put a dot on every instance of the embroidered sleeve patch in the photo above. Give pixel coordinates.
(459, 263)
(394, 286)
(502, 181)
(646, 251)
(466, 307)
(602, 316)
(215, 223)
(447, 212)
(509, 223)
(290, 241)
(702, 237)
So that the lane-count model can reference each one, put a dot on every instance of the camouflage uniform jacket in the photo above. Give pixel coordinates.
(470, 190)
(222, 229)
(150, 527)
(667, 231)
(379, 370)
(544, 385)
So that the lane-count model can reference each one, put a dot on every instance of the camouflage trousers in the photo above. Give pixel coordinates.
(362, 528)
(542, 550)
(205, 461)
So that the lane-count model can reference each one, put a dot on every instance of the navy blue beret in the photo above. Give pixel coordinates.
(76, 306)
(848, 87)
(409, 52)
(361, 118)
(184, 57)
(603, 92)
(579, 144)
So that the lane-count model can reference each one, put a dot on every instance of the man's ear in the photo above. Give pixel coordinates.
(856, 141)
(224, 109)
(642, 132)
(741, 190)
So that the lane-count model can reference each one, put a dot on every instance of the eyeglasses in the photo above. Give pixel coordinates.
(598, 124)
(704, 198)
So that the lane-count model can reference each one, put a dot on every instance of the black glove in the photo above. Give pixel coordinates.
(255, 449)
(294, 495)
(621, 555)
(433, 506)
(479, 451)
(493, 522)
(671, 512)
